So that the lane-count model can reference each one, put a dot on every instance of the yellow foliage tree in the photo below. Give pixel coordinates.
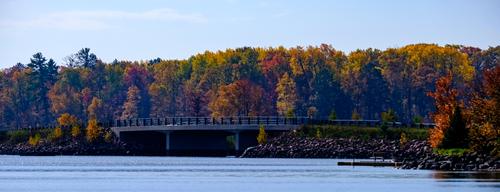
(403, 139)
(75, 131)
(318, 133)
(413, 69)
(287, 96)
(93, 130)
(67, 120)
(262, 137)
(108, 136)
(34, 140)
(56, 134)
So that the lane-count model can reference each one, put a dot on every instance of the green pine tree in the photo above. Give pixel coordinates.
(456, 135)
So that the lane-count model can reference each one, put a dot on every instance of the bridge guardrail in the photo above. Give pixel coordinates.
(172, 121)
(257, 120)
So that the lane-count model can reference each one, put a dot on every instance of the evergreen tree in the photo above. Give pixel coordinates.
(43, 76)
(85, 59)
(456, 135)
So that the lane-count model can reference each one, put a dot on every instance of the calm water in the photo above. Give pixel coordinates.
(80, 173)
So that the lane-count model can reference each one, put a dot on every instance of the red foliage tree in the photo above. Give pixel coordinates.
(485, 113)
(446, 100)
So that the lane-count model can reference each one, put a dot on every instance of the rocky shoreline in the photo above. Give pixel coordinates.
(419, 155)
(70, 148)
(414, 154)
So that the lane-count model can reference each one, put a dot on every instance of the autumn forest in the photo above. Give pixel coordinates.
(317, 81)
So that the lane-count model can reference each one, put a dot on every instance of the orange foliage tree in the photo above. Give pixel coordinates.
(239, 98)
(67, 120)
(95, 108)
(131, 106)
(445, 97)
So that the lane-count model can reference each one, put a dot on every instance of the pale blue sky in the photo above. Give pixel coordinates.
(137, 30)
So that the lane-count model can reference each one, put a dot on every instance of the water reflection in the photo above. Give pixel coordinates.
(476, 176)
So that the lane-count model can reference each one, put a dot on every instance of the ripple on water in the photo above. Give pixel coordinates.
(111, 173)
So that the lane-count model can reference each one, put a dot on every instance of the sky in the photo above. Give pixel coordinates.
(147, 29)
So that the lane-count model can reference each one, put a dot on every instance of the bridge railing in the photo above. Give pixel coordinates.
(257, 120)
(173, 121)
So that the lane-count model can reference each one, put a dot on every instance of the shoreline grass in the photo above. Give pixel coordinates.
(336, 131)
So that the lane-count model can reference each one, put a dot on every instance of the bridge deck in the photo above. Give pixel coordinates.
(274, 123)
(205, 128)
(208, 124)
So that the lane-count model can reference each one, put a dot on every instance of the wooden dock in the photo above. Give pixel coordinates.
(369, 163)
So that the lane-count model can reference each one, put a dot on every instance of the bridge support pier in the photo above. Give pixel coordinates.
(167, 141)
(237, 141)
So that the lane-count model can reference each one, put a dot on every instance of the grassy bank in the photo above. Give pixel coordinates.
(336, 131)
(55, 136)
(451, 152)
(64, 142)
(21, 136)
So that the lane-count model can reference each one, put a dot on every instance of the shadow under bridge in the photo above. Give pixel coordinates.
(199, 136)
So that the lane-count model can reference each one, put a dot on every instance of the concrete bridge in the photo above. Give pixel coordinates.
(211, 136)
(201, 135)
(214, 136)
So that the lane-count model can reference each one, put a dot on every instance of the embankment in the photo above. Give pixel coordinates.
(414, 154)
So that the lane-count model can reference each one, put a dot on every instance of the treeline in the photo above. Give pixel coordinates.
(317, 81)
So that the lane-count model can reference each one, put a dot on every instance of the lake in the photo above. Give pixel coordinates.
(107, 173)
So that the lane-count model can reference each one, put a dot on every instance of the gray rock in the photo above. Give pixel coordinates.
(484, 166)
